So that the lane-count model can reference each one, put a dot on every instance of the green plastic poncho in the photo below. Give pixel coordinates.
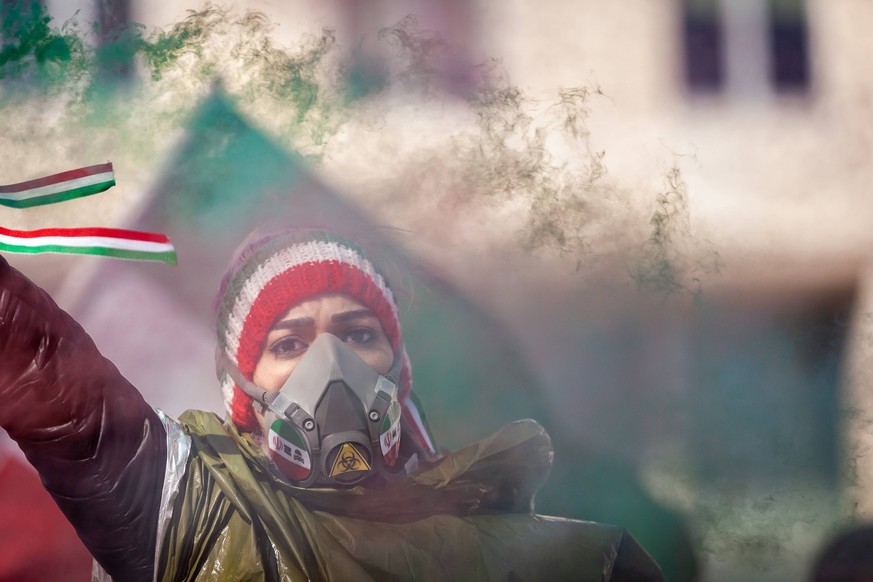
(467, 517)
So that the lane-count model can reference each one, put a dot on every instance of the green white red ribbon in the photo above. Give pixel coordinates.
(58, 187)
(107, 242)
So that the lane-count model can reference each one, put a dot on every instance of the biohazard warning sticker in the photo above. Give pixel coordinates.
(348, 460)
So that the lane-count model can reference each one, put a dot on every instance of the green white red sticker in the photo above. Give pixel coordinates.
(289, 451)
(389, 437)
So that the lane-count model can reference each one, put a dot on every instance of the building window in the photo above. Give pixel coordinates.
(704, 60)
(745, 47)
(117, 40)
(789, 46)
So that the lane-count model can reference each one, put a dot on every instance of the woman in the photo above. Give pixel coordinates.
(324, 467)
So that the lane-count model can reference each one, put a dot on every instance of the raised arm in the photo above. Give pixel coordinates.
(99, 448)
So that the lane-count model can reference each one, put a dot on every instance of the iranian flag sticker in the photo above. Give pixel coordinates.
(389, 434)
(289, 451)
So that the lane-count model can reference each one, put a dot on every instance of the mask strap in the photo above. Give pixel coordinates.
(259, 394)
(396, 366)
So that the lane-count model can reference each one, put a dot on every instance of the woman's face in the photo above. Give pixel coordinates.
(332, 313)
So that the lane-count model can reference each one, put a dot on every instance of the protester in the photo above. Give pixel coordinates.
(324, 468)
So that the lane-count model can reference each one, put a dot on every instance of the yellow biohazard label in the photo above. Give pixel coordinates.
(348, 460)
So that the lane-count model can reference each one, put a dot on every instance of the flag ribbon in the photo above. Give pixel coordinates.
(58, 187)
(107, 242)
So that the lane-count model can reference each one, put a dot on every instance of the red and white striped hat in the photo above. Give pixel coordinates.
(274, 272)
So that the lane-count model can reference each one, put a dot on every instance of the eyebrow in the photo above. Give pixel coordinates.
(341, 317)
(295, 323)
(350, 315)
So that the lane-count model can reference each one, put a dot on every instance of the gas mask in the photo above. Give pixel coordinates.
(335, 421)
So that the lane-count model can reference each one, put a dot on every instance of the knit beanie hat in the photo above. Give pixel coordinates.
(275, 272)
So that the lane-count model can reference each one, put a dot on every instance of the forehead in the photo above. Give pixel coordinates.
(324, 305)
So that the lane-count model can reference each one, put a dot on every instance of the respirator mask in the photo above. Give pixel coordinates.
(335, 421)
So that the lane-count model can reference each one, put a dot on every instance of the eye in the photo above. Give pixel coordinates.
(288, 346)
(359, 335)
